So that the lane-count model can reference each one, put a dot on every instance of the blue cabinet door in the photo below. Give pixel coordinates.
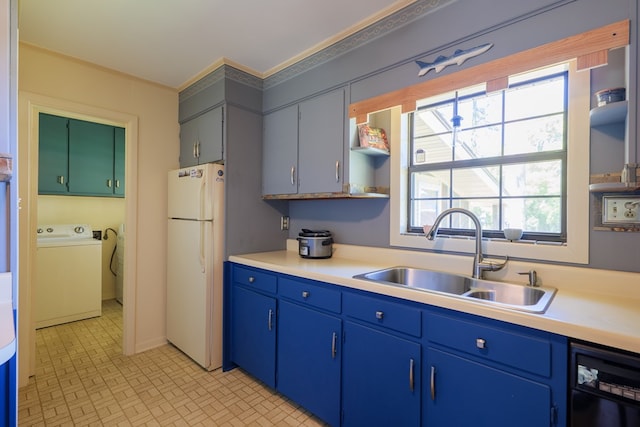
(118, 162)
(210, 129)
(253, 334)
(381, 378)
(460, 392)
(53, 154)
(90, 158)
(309, 354)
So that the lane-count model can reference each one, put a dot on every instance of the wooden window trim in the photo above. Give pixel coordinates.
(585, 46)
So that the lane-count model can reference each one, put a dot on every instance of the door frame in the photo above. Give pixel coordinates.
(30, 105)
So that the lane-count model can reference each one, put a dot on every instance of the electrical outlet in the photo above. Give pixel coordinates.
(621, 210)
(284, 223)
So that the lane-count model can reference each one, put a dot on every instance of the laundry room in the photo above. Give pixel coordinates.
(80, 218)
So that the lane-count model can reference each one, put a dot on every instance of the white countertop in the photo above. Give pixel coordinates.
(601, 306)
(7, 330)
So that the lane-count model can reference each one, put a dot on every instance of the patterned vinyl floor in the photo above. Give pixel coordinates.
(82, 379)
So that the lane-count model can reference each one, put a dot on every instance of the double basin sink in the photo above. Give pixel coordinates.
(517, 297)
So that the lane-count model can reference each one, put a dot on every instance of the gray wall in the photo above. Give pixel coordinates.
(386, 63)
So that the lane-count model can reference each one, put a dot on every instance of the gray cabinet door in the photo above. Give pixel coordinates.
(280, 152)
(188, 142)
(321, 142)
(210, 128)
(201, 139)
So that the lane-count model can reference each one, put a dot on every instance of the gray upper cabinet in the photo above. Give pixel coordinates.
(201, 139)
(303, 147)
(321, 144)
(280, 155)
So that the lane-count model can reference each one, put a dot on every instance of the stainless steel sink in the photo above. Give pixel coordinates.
(421, 279)
(517, 297)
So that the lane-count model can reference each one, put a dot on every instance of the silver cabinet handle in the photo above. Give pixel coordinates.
(411, 369)
(379, 315)
(195, 149)
(252, 279)
(198, 149)
(337, 170)
(61, 179)
(305, 294)
(334, 344)
(293, 175)
(117, 183)
(109, 183)
(433, 382)
(481, 343)
(270, 319)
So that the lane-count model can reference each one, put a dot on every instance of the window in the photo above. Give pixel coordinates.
(536, 180)
(501, 155)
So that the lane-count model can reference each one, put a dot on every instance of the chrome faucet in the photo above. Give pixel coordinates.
(479, 264)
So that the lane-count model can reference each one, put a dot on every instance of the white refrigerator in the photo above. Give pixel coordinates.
(195, 261)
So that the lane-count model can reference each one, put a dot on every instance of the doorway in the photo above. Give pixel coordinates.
(30, 107)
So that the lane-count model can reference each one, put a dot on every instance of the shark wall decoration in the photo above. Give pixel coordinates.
(458, 57)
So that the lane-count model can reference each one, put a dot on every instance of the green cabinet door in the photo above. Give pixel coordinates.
(118, 162)
(90, 158)
(53, 160)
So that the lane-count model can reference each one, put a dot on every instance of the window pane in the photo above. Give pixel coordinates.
(432, 184)
(481, 110)
(433, 149)
(536, 99)
(532, 179)
(426, 211)
(476, 182)
(534, 136)
(487, 211)
(540, 215)
(478, 143)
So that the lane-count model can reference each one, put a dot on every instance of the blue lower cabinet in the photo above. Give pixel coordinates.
(463, 392)
(253, 333)
(309, 359)
(381, 378)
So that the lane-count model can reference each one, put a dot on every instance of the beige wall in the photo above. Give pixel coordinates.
(149, 112)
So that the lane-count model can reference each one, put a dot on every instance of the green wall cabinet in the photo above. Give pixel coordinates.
(80, 158)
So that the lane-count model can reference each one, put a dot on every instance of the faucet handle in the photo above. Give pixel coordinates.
(533, 277)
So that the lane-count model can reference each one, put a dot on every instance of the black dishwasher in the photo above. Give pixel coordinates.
(605, 387)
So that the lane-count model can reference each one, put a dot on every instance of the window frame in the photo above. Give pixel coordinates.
(576, 247)
(498, 161)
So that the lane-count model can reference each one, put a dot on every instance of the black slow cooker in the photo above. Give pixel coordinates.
(315, 243)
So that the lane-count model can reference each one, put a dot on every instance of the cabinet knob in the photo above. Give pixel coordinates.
(481, 343)
(379, 315)
(305, 294)
(252, 279)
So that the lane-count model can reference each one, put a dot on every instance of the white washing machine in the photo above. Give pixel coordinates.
(68, 283)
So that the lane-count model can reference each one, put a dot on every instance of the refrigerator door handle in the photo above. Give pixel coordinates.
(201, 248)
(203, 198)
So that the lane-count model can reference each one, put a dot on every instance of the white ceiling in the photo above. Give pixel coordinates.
(174, 42)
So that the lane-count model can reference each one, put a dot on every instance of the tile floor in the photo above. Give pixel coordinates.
(82, 379)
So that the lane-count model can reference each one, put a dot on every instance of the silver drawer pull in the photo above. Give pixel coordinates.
(481, 343)
(305, 294)
(293, 175)
(270, 325)
(252, 279)
(432, 382)
(379, 315)
(334, 345)
(411, 369)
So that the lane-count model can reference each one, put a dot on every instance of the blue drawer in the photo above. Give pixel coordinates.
(510, 348)
(255, 279)
(381, 312)
(309, 294)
